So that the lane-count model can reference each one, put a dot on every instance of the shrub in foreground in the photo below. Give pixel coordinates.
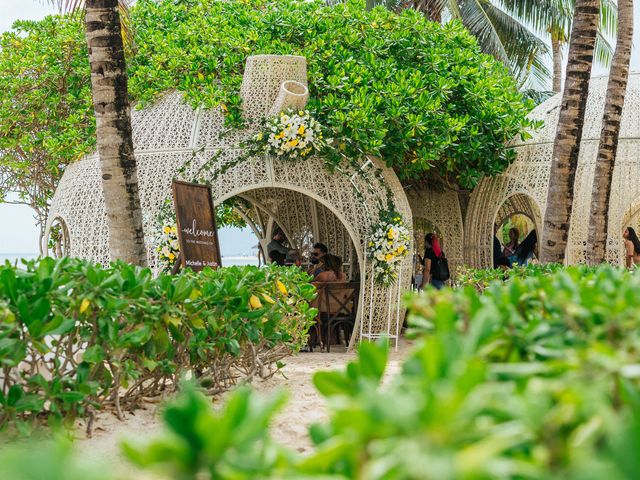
(537, 378)
(76, 337)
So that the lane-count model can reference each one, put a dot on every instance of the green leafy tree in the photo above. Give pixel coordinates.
(519, 32)
(46, 114)
(420, 95)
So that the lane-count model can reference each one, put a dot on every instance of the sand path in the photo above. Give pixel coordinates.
(304, 407)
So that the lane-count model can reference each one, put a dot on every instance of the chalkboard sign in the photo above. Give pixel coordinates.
(197, 231)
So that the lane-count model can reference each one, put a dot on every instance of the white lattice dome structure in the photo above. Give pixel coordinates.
(303, 198)
(522, 188)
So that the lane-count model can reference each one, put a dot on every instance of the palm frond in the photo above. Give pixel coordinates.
(538, 96)
(608, 18)
(474, 16)
(540, 15)
(528, 55)
(603, 52)
(77, 7)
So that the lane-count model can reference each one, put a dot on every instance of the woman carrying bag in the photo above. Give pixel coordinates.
(436, 266)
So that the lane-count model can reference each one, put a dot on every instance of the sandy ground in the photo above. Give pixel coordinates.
(305, 406)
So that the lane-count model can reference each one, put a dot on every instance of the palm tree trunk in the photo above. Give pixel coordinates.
(608, 148)
(556, 50)
(566, 148)
(115, 141)
(430, 8)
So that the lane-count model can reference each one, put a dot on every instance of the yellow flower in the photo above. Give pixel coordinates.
(293, 143)
(259, 136)
(280, 135)
(171, 256)
(301, 113)
(166, 230)
(174, 229)
(391, 233)
(401, 249)
(301, 130)
(388, 257)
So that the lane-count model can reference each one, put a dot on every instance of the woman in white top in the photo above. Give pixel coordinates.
(632, 247)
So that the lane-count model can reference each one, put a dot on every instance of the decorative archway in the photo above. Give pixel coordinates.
(170, 134)
(57, 238)
(440, 210)
(529, 174)
(491, 203)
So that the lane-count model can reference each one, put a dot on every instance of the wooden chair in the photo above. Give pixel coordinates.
(337, 308)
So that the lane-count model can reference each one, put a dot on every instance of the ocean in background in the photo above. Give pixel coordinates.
(226, 261)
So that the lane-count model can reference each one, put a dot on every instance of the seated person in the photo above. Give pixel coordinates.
(277, 257)
(331, 270)
(293, 258)
(318, 252)
(276, 244)
(503, 263)
(525, 251)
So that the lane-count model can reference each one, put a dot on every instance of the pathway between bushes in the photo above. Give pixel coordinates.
(304, 407)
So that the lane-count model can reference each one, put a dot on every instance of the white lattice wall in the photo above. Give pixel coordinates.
(528, 178)
(440, 209)
(170, 133)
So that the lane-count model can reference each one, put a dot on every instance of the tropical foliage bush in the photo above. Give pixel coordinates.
(76, 337)
(481, 278)
(419, 94)
(536, 378)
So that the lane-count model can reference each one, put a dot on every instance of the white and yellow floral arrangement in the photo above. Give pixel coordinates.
(292, 134)
(167, 246)
(388, 245)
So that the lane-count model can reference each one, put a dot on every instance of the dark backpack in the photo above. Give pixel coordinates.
(440, 269)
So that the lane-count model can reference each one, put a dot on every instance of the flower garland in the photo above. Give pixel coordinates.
(290, 134)
(166, 238)
(389, 242)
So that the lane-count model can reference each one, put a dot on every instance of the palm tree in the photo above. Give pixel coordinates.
(103, 32)
(554, 18)
(566, 148)
(513, 31)
(608, 148)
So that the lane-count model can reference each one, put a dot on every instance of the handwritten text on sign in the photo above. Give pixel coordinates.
(197, 231)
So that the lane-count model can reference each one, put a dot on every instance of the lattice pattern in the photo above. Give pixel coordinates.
(263, 79)
(161, 149)
(529, 177)
(440, 210)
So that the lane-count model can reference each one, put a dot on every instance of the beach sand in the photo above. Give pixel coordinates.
(304, 407)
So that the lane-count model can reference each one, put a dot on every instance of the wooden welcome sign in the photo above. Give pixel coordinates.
(197, 232)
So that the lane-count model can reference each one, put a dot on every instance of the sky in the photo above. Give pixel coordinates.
(18, 232)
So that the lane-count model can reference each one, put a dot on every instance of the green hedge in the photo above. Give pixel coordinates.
(75, 337)
(481, 278)
(536, 378)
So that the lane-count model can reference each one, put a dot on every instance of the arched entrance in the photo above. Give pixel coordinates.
(347, 203)
(519, 211)
(439, 212)
(492, 203)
